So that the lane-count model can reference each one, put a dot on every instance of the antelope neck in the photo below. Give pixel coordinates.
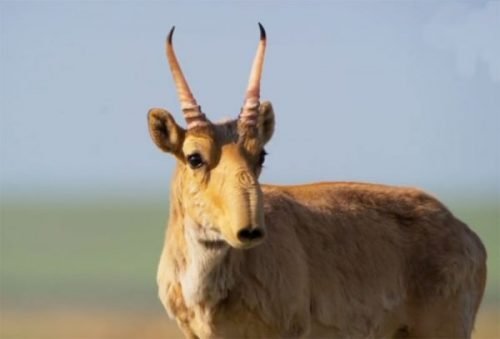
(207, 277)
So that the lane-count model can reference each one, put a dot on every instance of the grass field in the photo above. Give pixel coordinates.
(87, 270)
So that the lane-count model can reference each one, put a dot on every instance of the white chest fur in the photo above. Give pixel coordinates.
(207, 277)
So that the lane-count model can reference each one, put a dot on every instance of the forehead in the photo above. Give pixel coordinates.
(213, 138)
(226, 132)
(219, 134)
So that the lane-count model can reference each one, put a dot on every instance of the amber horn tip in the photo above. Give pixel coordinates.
(170, 35)
(262, 32)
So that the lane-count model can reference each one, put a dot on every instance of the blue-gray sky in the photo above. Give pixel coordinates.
(393, 92)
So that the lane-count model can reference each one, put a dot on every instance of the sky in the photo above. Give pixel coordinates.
(395, 92)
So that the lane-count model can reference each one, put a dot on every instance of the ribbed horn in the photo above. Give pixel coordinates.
(192, 111)
(249, 111)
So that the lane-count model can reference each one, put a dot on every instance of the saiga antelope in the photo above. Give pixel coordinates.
(340, 259)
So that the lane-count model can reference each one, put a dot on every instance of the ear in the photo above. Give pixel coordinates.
(266, 121)
(164, 131)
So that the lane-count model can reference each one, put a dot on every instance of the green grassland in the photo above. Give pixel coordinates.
(103, 254)
(100, 254)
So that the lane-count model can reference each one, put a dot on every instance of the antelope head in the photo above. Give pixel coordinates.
(215, 185)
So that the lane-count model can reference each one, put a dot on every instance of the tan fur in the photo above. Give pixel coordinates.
(347, 260)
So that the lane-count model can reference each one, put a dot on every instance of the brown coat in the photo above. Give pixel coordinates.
(346, 260)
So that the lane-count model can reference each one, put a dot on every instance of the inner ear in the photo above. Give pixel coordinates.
(165, 132)
(266, 121)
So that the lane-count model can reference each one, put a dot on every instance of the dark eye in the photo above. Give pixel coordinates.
(262, 157)
(195, 160)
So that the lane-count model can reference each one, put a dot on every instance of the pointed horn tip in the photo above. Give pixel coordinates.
(170, 35)
(262, 32)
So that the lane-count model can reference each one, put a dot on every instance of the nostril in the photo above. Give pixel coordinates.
(249, 234)
(245, 234)
(257, 233)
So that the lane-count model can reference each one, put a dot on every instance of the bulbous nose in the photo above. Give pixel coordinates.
(249, 234)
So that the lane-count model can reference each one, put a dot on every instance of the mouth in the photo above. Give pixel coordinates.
(213, 244)
(212, 239)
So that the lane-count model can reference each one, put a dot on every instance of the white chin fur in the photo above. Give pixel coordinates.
(204, 277)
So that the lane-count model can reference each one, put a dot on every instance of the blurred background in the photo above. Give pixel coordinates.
(403, 93)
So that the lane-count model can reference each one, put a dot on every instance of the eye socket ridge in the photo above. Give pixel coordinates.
(195, 160)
